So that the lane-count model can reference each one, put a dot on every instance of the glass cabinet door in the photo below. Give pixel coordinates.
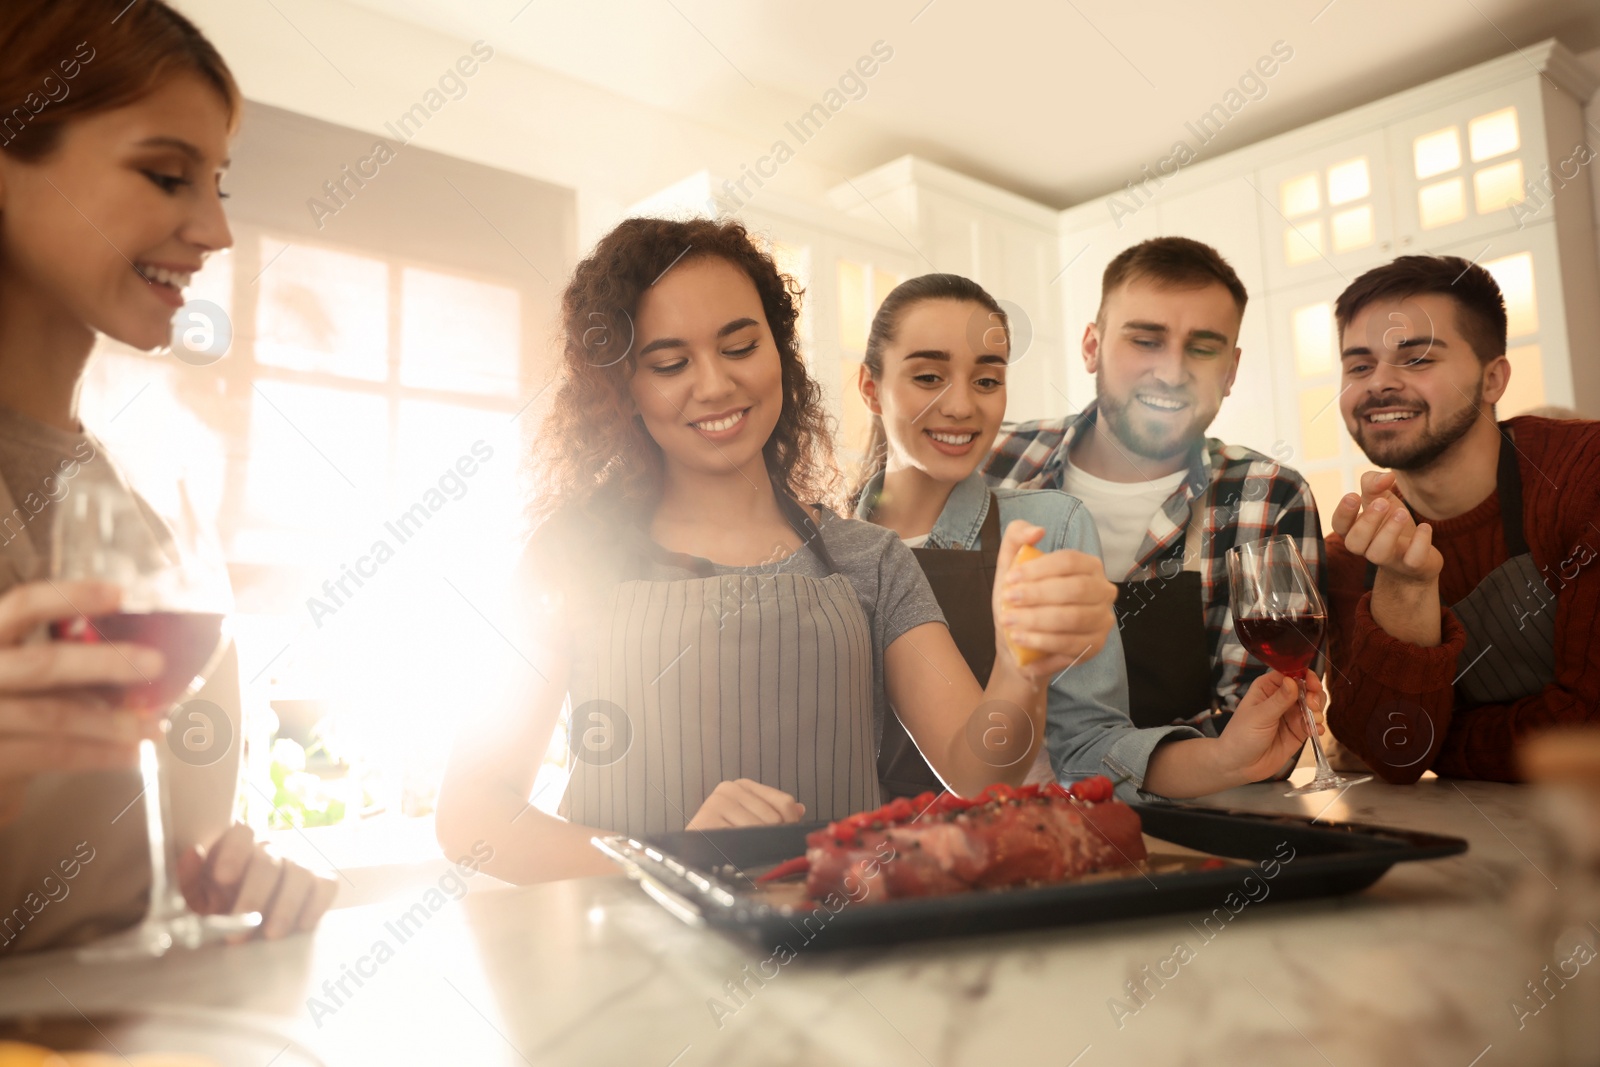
(1327, 212)
(1460, 171)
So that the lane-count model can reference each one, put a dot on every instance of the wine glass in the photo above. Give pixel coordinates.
(1279, 616)
(176, 599)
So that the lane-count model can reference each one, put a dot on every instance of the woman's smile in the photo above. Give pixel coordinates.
(952, 442)
(722, 427)
(166, 281)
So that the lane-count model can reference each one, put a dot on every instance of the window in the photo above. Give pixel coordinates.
(1437, 153)
(1314, 340)
(1494, 134)
(322, 310)
(1497, 187)
(1300, 196)
(1514, 275)
(373, 402)
(1352, 229)
(458, 334)
(1442, 203)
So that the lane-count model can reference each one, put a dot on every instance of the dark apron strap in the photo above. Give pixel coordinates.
(963, 583)
(1508, 482)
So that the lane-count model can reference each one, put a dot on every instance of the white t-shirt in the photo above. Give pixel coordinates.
(1122, 512)
(915, 542)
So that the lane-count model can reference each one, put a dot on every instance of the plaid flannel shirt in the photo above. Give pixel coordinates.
(1251, 496)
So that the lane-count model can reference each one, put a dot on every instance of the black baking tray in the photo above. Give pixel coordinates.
(700, 876)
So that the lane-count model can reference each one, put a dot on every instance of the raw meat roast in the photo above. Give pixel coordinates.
(932, 846)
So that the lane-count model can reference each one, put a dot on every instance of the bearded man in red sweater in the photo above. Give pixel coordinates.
(1465, 579)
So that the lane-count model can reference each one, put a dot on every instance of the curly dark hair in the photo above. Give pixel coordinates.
(592, 455)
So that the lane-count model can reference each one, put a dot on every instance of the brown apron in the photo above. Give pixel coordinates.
(1164, 640)
(1509, 616)
(963, 583)
(682, 684)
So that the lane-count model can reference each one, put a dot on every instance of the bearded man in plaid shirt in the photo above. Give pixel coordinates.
(1168, 501)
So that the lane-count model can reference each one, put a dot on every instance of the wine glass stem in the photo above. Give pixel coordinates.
(165, 899)
(1324, 768)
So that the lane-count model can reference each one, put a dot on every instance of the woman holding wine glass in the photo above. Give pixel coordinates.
(117, 130)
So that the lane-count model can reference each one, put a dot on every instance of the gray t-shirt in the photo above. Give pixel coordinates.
(887, 579)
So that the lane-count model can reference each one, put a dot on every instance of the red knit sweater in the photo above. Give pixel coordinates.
(1395, 703)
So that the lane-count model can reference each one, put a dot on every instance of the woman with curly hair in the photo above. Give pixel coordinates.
(730, 653)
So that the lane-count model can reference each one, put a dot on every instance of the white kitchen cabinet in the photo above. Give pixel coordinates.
(1460, 169)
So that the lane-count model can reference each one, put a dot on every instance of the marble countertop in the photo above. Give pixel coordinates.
(1428, 966)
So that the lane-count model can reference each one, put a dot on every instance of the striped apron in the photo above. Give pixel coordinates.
(1510, 616)
(679, 685)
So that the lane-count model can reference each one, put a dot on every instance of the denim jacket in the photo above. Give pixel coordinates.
(1087, 728)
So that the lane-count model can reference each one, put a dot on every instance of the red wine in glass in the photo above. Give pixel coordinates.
(1285, 642)
(187, 641)
(1278, 615)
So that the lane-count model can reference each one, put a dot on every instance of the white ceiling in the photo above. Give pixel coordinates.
(1059, 100)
